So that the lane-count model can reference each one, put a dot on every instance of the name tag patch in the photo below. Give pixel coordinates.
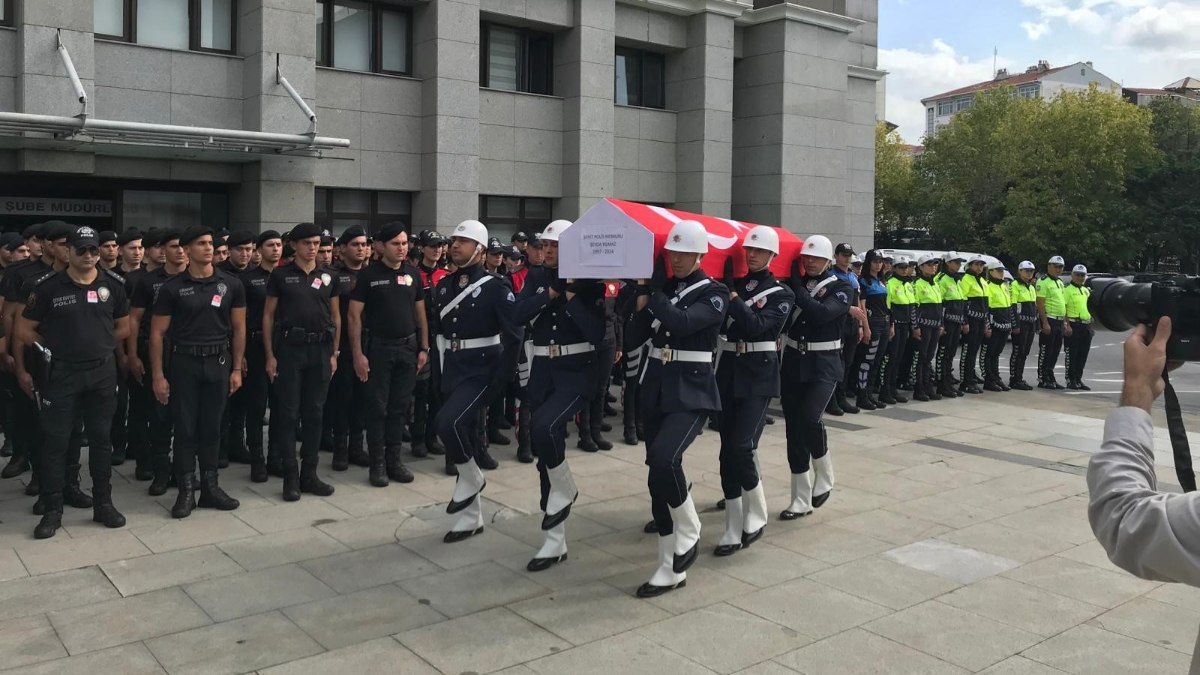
(93, 297)
(216, 300)
(316, 284)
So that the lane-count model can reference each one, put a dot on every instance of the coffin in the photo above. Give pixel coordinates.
(616, 239)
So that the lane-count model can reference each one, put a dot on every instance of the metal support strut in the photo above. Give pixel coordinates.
(74, 75)
(287, 86)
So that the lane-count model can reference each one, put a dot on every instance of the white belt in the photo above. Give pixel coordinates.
(747, 347)
(471, 343)
(555, 351)
(668, 355)
(802, 347)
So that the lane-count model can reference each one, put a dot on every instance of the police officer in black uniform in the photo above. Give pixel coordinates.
(427, 393)
(494, 415)
(255, 387)
(141, 301)
(74, 319)
(344, 407)
(566, 322)
(748, 378)
(477, 343)
(125, 443)
(389, 340)
(302, 315)
(240, 245)
(197, 343)
(812, 367)
(678, 393)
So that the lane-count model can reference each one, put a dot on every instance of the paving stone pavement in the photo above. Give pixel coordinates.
(956, 541)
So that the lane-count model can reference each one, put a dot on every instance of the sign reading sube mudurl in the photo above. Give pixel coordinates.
(54, 206)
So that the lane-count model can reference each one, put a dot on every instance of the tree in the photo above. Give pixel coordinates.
(1070, 161)
(1167, 194)
(893, 183)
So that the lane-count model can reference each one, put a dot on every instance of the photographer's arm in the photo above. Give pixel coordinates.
(1151, 534)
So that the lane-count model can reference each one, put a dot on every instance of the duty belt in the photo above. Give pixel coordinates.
(555, 351)
(1056, 318)
(199, 350)
(1078, 320)
(804, 347)
(667, 355)
(748, 347)
(471, 343)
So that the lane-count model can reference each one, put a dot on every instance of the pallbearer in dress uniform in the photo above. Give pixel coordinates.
(567, 321)
(748, 378)
(678, 393)
(812, 367)
(477, 343)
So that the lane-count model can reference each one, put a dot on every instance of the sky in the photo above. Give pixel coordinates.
(932, 46)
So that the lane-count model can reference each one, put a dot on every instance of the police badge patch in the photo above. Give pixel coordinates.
(717, 303)
(540, 289)
(843, 297)
(325, 279)
(751, 285)
(222, 289)
(462, 282)
(679, 287)
(511, 298)
(475, 293)
(104, 293)
(785, 307)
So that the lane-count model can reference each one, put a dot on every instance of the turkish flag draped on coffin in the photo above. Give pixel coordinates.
(617, 239)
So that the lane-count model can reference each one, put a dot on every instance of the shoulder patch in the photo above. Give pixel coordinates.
(120, 279)
(717, 302)
(45, 277)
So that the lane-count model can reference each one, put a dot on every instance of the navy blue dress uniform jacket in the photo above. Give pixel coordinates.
(754, 373)
(818, 317)
(484, 312)
(560, 322)
(692, 324)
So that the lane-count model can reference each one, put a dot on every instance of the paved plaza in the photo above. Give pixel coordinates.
(956, 541)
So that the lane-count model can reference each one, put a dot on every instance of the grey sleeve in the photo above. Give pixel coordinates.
(1154, 535)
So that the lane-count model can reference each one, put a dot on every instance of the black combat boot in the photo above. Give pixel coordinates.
(341, 455)
(310, 483)
(395, 466)
(377, 474)
(17, 465)
(52, 520)
(357, 451)
(185, 499)
(291, 479)
(212, 496)
(72, 494)
(103, 511)
(162, 476)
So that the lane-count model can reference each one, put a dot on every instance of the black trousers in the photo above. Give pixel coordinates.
(991, 353)
(970, 351)
(595, 406)
(548, 434)
(199, 391)
(634, 362)
(925, 349)
(119, 431)
(427, 400)
(895, 356)
(458, 420)
(158, 422)
(848, 385)
(1049, 347)
(301, 383)
(740, 426)
(1079, 345)
(946, 351)
(1022, 343)
(23, 428)
(873, 357)
(71, 396)
(803, 405)
(254, 395)
(667, 437)
(388, 390)
(347, 400)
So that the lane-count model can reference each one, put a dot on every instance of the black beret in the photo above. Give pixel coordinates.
(132, 234)
(267, 235)
(305, 231)
(240, 238)
(32, 232)
(107, 236)
(193, 233)
(219, 241)
(15, 242)
(166, 236)
(8, 238)
(53, 230)
(353, 232)
(390, 231)
(288, 251)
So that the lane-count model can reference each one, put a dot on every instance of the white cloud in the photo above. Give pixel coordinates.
(1035, 30)
(913, 75)
(1157, 25)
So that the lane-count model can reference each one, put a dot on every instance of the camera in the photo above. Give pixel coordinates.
(1119, 304)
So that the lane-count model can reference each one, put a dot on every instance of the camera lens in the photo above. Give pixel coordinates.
(1119, 305)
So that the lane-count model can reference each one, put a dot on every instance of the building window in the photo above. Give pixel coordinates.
(929, 120)
(1029, 90)
(338, 210)
(505, 216)
(364, 36)
(962, 104)
(143, 209)
(201, 25)
(516, 59)
(640, 78)
(6, 12)
(945, 108)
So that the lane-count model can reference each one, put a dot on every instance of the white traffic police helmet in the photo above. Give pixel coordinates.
(761, 236)
(553, 230)
(818, 246)
(473, 230)
(687, 236)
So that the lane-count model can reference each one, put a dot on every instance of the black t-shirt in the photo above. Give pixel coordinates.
(304, 299)
(254, 279)
(346, 280)
(200, 308)
(142, 297)
(389, 298)
(75, 321)
(131, 279)
(18, 279)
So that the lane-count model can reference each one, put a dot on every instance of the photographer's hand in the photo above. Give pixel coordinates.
(1145, 360)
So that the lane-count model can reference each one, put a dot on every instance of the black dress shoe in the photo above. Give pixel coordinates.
(991, 386)
(452, 537)
(456, 506)
(920, 395)
(681, 563)
(143, 473)
(451, 469)
(887, 399)
(602, 443)
(721, 504)
(648, 590)
(726, 549)
(818, 500)
(900, 398)
(541, 564)
(864, 403)
(1072, 385)
(972, 389)
(934, 395)
(751, 537)
(630, 437)
(258, 472)
(525, 455)
(497, 438)
(792, 515)
(1042, 384)
(834, 409)
(1082, 386)
(650, 528)
(586, 444)
(485, 461)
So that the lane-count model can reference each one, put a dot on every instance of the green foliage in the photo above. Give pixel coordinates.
(893, 183)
